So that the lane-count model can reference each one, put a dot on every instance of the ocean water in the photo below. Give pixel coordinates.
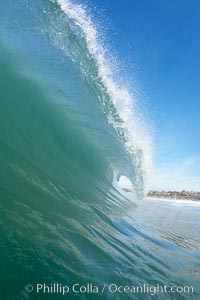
(68, 133)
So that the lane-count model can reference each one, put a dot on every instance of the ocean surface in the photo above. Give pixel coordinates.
(68, 132)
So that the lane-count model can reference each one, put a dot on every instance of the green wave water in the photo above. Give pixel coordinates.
(64, 142)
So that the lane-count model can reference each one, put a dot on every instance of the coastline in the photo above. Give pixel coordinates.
(183, 195)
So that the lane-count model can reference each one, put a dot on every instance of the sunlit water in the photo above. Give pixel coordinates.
(64, 143)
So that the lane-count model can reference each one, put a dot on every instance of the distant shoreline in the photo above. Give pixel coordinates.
(174, 195)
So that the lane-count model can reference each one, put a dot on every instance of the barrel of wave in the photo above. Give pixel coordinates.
(125, 183)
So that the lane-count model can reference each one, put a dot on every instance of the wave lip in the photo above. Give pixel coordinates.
(127, 124)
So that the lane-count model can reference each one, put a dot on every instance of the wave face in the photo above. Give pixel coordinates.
(68, 132)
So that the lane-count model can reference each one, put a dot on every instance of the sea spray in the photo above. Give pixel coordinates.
(130, 127)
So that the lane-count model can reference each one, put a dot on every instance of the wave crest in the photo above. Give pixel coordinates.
(129, 126)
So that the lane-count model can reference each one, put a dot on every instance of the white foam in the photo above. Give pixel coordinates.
(176, 202)
(136, 134)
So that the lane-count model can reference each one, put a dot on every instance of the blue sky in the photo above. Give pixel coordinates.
(159, 41)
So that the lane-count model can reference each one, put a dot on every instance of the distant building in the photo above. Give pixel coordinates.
(174, 194)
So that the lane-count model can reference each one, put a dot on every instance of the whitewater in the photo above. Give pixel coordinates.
(75, 156)
(136, 140)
